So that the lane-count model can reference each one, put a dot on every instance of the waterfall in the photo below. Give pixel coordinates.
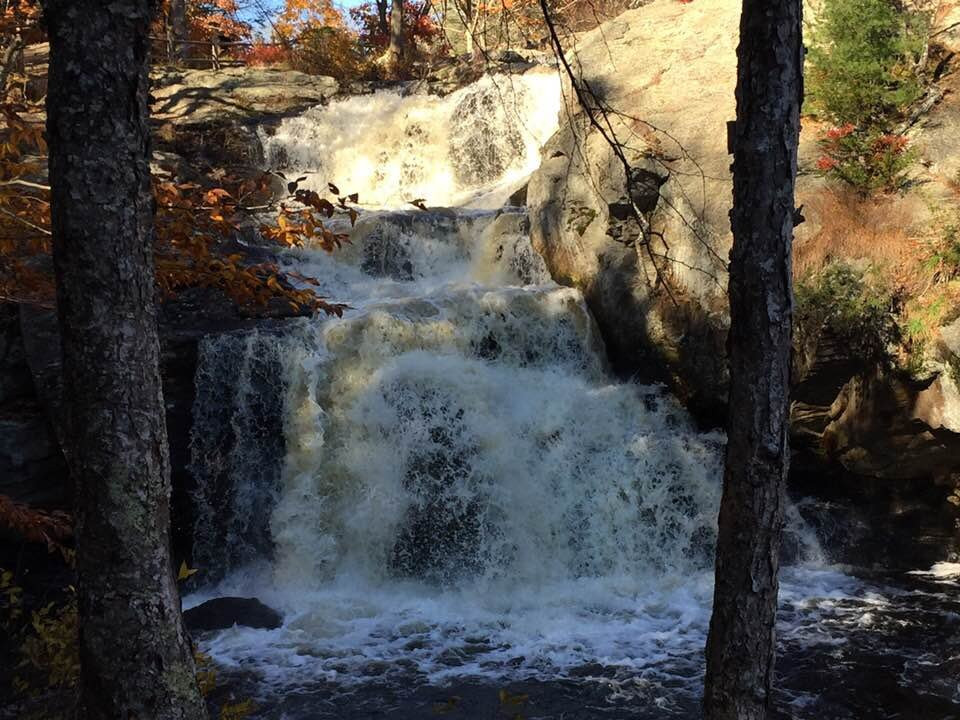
(236, 451)
(472, 146)
(461, 487)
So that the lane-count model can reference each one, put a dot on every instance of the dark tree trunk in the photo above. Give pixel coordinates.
(383, 23)
(741, 647)
(135, 656)
(178, 29)
(395, 51)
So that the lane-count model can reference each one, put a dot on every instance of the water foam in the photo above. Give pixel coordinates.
(464, 490)
(468, 148)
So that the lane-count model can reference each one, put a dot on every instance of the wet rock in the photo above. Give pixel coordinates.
(225, 612)
(32, 468)
(489, 139)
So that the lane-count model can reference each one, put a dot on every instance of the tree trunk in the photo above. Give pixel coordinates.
(178, 30)
(382, 13)
(135, 656)
(741, 644)
(395, 51)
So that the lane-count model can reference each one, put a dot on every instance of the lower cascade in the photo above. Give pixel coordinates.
(447, 486)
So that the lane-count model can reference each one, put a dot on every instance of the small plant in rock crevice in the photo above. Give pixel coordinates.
(857, 306)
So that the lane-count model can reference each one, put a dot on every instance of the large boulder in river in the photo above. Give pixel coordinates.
(225, 612)
(667, 71)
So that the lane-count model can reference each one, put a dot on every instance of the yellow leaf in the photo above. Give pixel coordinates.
(184, 571)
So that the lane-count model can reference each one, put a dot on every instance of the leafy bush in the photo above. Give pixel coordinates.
(863, 72)
(421, 33)
(870, 161)
(324, 50)
(261, 54)
(857, 306)
(942, 250)
(862, 63)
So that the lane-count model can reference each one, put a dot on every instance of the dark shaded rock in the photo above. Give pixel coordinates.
(518, 198)
(225, 612)
(184, 321)
(15, 380)
(32, 468)
(872, 522)
(644, 187)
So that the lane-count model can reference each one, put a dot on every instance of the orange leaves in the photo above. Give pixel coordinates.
(194, 224)
(296, 227)
(37, 526)
(206, 19)
(217, 196)
(300, 15)
(24, 210)
(195, 231)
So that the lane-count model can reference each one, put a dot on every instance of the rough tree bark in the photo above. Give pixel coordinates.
(741, 643)
(396, 49)
(135, 656)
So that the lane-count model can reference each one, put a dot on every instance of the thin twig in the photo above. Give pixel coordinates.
(25, 222)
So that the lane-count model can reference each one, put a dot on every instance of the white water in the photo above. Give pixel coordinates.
(465, 490)
(472, 147)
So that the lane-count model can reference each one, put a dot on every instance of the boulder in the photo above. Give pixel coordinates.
(242, 93)
(665, 75)
(669, 69)
(32, 468)
(890, 426)
(225, 612)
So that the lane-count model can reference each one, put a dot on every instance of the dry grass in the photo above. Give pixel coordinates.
(852, 229)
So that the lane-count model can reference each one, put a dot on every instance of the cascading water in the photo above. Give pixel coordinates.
(462, 495)
(471, 147)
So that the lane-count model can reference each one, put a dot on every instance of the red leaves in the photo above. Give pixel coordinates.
(260, 54)
(894, 144)
(836, 133)
(52, 528)
(825, 163)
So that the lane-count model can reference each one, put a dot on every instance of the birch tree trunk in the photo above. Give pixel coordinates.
(741, 643)
(135, 656)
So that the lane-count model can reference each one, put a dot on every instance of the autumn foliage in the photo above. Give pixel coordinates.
(52, 528)
(868, 159)
(206, 19)
(420, 28)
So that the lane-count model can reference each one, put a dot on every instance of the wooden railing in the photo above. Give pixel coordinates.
(219, 51)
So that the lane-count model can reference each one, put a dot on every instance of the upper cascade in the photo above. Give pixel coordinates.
(470, 148)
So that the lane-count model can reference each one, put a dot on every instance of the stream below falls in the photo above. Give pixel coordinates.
(465, 513)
